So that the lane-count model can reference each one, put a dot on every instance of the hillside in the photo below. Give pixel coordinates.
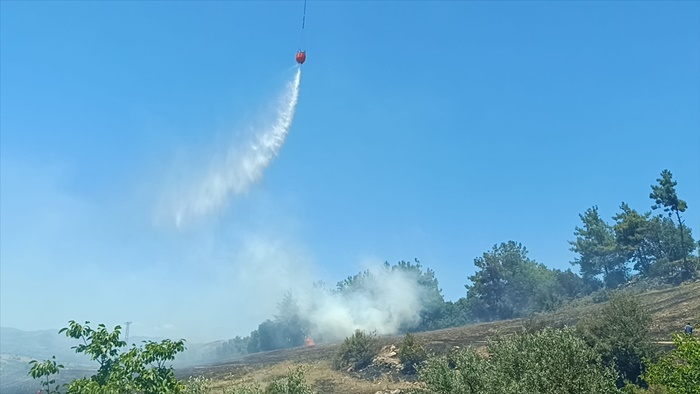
(670, 309)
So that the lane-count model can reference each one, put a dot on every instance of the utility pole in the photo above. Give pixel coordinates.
(126, 332)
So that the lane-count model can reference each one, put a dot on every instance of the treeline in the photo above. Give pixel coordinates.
(654, 246)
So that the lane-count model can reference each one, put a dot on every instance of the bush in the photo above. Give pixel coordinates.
(679, 370)
(411, 353)
(356, 351)
(621, 334)
(294, 382)
(551, 361)
(460, 372)
(198, 385)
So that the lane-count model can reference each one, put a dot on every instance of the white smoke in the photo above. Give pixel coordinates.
(386, 301)
(240, 167)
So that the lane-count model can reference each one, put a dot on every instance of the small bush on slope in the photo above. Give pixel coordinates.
(356, 351)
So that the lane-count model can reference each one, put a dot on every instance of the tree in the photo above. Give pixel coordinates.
(668, 252)
(621, 333)
(508, 284)
(141, 370)
(632, 234)
(664, 195)
(598, 252)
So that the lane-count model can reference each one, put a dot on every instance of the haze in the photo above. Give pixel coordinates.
(504, 121)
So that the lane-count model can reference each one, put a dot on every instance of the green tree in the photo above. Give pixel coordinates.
(598, 251)
(679, 371)
(632, 234)
(668, 251)
(142, 370)
(621, 333)
(508, 284)
(665, 196)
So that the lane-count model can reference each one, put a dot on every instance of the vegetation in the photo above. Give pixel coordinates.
(550, 361)
(679, 370)
(620, 333)
(294, 382)
(411, 353)
(140, 370)
(356, 351)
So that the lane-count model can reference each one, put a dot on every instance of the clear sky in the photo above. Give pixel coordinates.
(428, 130)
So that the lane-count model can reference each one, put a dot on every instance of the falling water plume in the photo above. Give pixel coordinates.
(239, 168)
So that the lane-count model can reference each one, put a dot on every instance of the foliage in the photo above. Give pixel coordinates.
(356, 351)
(459, 372)
(652, 389)
(598, 251)
(411, 353)
(250, 388)
(654, 246)
(236, 346)
(679, 371)
(509, 285)
(288, 329)
(45, 370)
(293, 383)
(621, 334)
(632, 234)
(550, 361)
(198, 385)
(140, 370)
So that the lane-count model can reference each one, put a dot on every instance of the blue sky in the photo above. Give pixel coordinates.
(424, 129)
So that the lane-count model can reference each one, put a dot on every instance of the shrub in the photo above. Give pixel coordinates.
(356, 351)
(251, 388)
(293, 383)
(621, 334)
(411, 353)
(460, 372)
(552, 361)
(548, 362)
(679, 370)
(197, 385)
